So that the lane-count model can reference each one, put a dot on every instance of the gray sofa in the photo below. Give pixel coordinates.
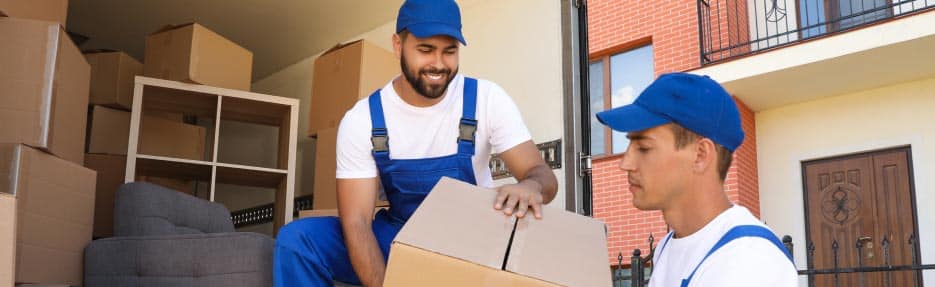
(167, 238)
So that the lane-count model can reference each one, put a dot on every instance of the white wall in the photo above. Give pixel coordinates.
(515, 43)
(891, 116)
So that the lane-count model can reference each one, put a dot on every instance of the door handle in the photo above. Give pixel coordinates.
(868, 242)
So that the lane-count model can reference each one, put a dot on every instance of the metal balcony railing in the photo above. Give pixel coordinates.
(734, 28)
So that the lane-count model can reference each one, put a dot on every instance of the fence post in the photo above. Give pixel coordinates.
(636, 269)
(787, 241)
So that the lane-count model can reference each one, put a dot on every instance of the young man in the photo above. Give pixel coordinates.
(683, 130)
(428, 123)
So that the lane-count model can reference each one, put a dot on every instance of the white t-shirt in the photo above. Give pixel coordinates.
(746, 261)
(425, 132)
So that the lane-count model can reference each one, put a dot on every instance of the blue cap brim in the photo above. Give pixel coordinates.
(425, 30)
(630, 118)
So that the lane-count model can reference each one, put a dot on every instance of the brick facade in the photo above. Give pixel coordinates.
(672, 27)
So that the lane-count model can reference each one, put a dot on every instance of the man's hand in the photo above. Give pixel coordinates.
(520, 197)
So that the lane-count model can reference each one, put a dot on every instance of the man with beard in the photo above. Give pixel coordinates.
(683, 130)
(428, 123)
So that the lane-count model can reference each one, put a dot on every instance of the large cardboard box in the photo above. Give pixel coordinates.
(110, 176)
(110, 132)
(112, 78)
(343, 75)
(43, 88)
(456, 238)
(325, 189)
(194, 54)
(45, 10)
(7, 239)
(54, 213)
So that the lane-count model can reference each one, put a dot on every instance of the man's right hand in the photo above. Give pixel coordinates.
(356, 198)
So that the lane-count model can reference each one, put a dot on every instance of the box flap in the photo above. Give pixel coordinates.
(171, 27)
(465, 213)
(97, 51)
(338, 46)
(574, 254)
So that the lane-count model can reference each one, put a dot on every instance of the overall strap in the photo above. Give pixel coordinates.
(739, 232)
(379, 137)
(468, 125)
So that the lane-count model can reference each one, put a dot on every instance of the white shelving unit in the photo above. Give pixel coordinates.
(217, 104)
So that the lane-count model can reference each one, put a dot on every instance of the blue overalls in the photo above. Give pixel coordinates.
(734, 233)
(311, 251)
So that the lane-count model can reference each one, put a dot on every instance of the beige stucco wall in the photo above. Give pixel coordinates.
(891, 116)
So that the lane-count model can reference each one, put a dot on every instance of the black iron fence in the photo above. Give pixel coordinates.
(264, 213)
(638, 272)
(732, 28)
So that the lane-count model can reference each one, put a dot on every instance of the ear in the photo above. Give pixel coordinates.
(705, 156)
(397, 45)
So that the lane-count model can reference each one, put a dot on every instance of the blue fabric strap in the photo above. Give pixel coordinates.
(379, 137)
(467, 128)
(738, 232)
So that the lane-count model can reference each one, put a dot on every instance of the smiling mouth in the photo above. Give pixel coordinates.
(434, 76)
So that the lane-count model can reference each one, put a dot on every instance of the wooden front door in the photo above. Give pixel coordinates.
(861, 198)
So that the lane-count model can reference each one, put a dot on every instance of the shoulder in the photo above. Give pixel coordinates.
(357, 118)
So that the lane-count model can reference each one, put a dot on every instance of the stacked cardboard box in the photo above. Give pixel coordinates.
(43, 88)
(455, 238)
(112, 76)
(110, 132)
(46, 196)
(342, 76)
(192, 53)
(54, 209)
(45, 10)
(7, 239)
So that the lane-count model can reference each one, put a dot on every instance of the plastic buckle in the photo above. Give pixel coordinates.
(467, 128)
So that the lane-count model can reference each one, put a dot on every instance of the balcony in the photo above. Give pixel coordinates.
(771, 53)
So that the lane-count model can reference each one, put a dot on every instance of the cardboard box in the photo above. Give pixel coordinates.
(7, 239)
(112, 78)
(110, 133)
(343, 75)
(162, 137)
(456, 238)
(45, 10)
(192, 53)
(110, 176)
(325, 188)
(54, 213)
(43, 88)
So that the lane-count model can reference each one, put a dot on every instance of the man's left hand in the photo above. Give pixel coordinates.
(520, 197)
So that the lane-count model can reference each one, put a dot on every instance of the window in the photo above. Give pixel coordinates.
(821, 16)
(616, 80)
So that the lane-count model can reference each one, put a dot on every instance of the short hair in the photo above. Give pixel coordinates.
(683, 137)
(403, 34)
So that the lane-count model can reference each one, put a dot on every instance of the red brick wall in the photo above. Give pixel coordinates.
(672, 25)
(672, 28)
(748, 192)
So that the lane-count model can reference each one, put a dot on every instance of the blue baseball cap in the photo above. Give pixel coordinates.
(694, 102)
(427, 18)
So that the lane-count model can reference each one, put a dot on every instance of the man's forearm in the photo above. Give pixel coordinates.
(543, 175)
(364, 252)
